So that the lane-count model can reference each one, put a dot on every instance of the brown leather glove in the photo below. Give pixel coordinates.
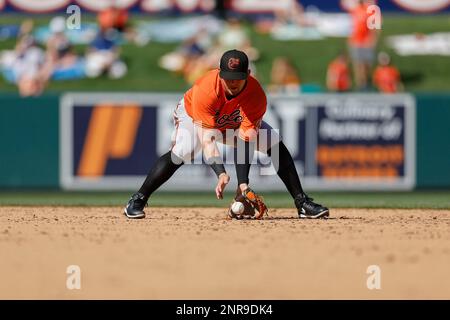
(257, 203)
(254, 206)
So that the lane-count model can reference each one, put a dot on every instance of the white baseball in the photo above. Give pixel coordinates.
(237, 207)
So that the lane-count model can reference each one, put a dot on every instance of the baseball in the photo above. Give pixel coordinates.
(237, 207)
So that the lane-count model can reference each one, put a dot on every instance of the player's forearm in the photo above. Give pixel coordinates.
(211, 151)
(213, 158)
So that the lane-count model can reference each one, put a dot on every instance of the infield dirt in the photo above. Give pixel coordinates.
(196, 253)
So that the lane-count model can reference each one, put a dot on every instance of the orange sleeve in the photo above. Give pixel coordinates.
(332, 76)
(201, 105)
(376, 76)
(252, 115)
(397, 75)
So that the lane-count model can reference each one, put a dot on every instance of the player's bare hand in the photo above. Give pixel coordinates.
(224, 179)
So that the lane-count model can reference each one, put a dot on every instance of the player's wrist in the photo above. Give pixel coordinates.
(216, 164)
(223, 174)
(243, 187)
(218, 168)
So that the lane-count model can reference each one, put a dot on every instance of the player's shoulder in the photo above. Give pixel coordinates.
(210, 78)
(255, 88)
(208, 83)
(254, 84)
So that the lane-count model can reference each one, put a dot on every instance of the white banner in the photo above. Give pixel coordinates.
(98, 5)
(423, 5)
(242, 6)
(39, 6)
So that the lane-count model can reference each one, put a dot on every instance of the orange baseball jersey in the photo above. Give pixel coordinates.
(361, 35)
(338, 76)
(207, 104)
(386, 79)
(112, 18)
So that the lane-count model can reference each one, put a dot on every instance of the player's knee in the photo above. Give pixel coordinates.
(176, 159)
(182, 154)
(267, 139)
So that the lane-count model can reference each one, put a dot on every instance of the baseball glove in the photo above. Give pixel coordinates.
(254, 206)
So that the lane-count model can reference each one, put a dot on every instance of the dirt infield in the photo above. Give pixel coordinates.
(195, 253)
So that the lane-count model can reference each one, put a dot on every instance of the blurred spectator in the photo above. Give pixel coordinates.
(185, 58)
(103, 56)
(116, 18)
(26, 29)
(221, 8)
(24, 64)
(27, 68)
(289, 12)
(386, 77)
(200, 53)
(196, 68)
(234, 36)
(338, 75)
(284, 77)
(59, 48)
(60, 53)
(113, 17)
(362, 44)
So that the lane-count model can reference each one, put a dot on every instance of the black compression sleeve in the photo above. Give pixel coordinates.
(243, 157)
(161, 171)
(286, 170)
(216, 164)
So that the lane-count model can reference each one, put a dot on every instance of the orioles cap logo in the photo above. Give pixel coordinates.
(233, 63)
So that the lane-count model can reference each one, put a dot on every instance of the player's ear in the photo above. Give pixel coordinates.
(248, 71)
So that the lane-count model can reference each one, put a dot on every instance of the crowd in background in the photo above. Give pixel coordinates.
(201, 52)
(358, 59)
(33, 65)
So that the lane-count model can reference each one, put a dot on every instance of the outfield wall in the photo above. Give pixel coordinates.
(36, 151)
(29, 142)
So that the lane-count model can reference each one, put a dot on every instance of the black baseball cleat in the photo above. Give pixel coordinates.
(135, 206)
(307, 209)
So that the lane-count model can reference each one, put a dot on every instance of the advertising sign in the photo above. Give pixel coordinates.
(338, 142)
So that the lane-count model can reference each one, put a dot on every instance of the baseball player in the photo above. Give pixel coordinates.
(224, 100)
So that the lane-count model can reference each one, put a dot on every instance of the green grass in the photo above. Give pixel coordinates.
(417, 199)
(420, 73)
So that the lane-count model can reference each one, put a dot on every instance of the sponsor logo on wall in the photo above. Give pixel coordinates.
(351, 141)
(360, 141)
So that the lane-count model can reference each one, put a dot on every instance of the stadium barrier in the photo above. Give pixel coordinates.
(108, 141)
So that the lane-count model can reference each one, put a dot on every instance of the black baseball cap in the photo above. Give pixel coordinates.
(234, 65)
